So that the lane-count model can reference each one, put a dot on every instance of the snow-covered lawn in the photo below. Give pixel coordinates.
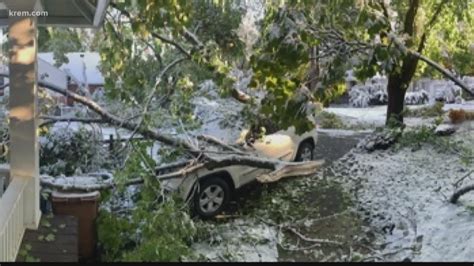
(240, 240)
(374, 116)
(404, 194)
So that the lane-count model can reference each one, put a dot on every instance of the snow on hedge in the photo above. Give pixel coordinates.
(374, 92)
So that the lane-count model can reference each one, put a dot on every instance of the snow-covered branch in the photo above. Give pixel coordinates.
(443, 71)
(53, 183)
(48, 120)
(213, 140)
(210, 161)
(431, 63)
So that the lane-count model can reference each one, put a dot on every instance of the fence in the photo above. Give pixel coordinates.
(12, 225)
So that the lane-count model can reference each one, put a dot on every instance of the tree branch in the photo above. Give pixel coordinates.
(193, 38)
(214, 140)
(430, 24)
(454, 198)
(154, 34)
(456, 184)
(240, 96)
(431, 63)
(443, 71)
(384, 9)
(54, 119)
(173, 43)
(186, 168)
(152, 93)
(51, 182)
(409, 23)
(313, 240)
(211, 163)
(116, 121)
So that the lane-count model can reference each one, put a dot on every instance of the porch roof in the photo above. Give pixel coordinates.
(64, 13)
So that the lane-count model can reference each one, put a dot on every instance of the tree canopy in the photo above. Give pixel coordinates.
(143, 42)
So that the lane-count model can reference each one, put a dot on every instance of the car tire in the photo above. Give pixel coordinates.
(212, 197)
(305, 152)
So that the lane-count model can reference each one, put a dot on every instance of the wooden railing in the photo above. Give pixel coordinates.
(12, 224)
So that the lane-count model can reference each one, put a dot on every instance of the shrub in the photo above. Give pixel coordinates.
(415, 138)
(459, 116)
(4, 139)
(329, 120)
(154, 227)
(426, 111)
(67, 151)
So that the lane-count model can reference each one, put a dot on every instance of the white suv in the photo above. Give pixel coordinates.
(211, 190)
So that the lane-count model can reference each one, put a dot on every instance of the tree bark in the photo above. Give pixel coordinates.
(399, 80)
(398, 83)
(397, 86)
(314, 68)
(396, 98)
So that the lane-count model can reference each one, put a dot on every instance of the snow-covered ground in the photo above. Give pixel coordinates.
(240, 240)
(342, 132)
(374, 116)
(405, 196)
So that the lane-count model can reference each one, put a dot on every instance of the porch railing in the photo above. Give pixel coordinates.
(12, 225)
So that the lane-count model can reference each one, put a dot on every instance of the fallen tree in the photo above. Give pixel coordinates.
(212, 162)
(203, 159)
(187, 169)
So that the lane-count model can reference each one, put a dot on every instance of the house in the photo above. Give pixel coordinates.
(82, 71)
(47, 73)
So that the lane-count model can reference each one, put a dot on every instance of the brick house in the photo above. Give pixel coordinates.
(82, 70)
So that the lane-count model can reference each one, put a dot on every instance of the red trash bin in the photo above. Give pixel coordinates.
(85, 207)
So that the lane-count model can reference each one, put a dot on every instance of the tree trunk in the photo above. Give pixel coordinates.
(396, 99)
(397, 86)
(314, 69)
(398, 81)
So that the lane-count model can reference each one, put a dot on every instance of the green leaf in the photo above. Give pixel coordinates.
(50, 237)
(45, 223)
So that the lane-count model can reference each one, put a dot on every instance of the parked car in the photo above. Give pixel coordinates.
(209, 191)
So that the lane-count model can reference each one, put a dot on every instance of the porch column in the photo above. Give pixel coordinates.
(24, 150)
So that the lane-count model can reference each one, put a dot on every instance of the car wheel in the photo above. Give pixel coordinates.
(212, 197)
(305, 152)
